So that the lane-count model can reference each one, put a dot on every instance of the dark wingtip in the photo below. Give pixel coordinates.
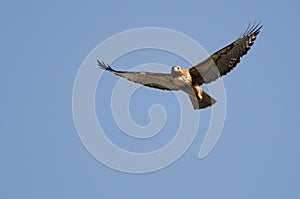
(253, 28)
(102, 65)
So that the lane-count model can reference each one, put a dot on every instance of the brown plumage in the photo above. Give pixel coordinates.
(190, 80)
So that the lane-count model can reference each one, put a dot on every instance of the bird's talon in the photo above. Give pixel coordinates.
(200, 96)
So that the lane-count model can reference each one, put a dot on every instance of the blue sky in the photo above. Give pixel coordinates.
(42, 47)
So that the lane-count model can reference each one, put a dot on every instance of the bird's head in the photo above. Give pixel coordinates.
(176, 70)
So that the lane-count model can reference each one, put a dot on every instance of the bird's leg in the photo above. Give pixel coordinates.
(198, 90)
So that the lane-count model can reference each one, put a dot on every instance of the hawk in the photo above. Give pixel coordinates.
(189, 80)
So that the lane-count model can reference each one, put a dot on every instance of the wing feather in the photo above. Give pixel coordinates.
(149, 79)
(224, 60)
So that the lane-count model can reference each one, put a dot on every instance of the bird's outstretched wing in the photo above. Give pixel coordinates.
(153, 80)
(224, 60)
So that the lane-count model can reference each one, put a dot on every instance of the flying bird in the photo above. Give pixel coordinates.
(189, 80)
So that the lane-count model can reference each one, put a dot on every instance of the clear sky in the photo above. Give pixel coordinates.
(42, 47)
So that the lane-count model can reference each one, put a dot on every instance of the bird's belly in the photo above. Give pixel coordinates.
(181, 82)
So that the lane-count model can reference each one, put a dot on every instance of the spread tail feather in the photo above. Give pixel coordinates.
(205, 102)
